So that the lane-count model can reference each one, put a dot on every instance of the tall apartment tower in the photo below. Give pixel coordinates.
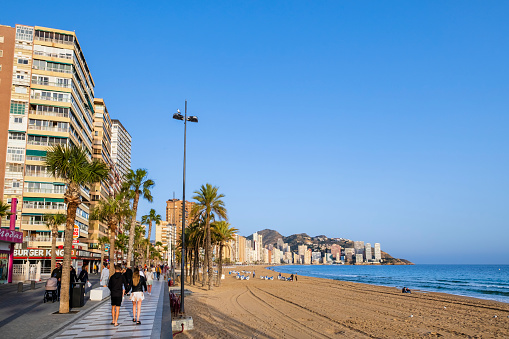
(174, 214)
(239, 248)
(120, 148)
(258, 246)
(336, 251)
(367, 252)
(378, 252)
(359, 247)
(47, 101)
(101, 146)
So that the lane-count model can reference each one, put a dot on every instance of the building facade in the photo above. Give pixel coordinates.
(174, 214)
(120, 148)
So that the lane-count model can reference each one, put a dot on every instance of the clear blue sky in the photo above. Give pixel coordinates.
(377, 121)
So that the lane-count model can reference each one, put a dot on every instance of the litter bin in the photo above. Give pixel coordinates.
(77, 294)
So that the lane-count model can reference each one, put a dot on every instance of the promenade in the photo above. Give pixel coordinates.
(24, 315)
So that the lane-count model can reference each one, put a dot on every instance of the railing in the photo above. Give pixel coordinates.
(37, 174)
(43, 190)
(52, 114)
(51, 83)
(41, 97)
(57, 41)
(40, 238)
(39, 143)
(48, 128)
(53, 55)
(52, 69)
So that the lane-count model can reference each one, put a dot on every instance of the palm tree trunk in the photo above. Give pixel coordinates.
(209, 256)
(112, 252)
(220, 265)
(102, 257)
(132, 229)
(54, 236)
(148, 235)
(203, 270)
(66, 264)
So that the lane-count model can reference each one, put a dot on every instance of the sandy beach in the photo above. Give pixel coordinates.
(322, 308)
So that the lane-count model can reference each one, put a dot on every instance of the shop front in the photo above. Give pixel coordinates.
(7, 240)
(33, 255)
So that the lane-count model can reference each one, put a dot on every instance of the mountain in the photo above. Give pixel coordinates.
(268, 236)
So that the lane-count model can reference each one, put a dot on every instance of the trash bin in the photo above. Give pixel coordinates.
(77, 298)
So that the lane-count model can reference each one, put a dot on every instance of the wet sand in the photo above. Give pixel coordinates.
(322, 308)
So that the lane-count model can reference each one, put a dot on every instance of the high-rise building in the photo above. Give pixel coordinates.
(50, 96)
(120, 148)
(166, 234)
(359, 247)
(349, 254)
(280, 244)
(258, 246)
(174, 214)
(367, 252)
(239, 248)
(378, 252)
(336, 251)
(101, 146)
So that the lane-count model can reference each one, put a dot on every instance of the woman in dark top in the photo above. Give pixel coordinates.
(137, 288)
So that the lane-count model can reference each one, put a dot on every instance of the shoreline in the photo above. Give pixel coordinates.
(325, 308)
(416, 289)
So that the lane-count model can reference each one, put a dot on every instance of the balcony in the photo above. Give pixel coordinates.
(51, 83)
(56, 41)
(52, 55)
(52, 114)
(44, 190)
(38, 174)
(15, 157)
(68, 71)
(37, 96)
(48, 128)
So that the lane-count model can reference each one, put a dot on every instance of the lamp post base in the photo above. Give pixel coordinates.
(178, 321)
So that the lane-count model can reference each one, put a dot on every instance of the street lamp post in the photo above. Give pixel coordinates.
(191, 118)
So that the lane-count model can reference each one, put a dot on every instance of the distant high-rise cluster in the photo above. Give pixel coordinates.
(252, 251)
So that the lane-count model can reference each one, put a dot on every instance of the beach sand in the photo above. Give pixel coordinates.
(322, 308)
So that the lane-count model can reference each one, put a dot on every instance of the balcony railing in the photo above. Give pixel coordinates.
(41, 238)
(51, 83)
(37, 174)
(57, 41)
(50, 98)
(40, 143)
(52, 69)
(52, 55)
(43, 190)
(48, 128)
(15, 157)
(52, 114)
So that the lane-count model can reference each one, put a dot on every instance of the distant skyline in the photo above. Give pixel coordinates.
(375, 121)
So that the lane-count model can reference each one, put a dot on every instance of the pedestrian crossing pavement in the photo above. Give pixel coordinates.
(97, 323)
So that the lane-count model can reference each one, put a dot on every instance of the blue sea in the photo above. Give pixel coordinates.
(479, 281)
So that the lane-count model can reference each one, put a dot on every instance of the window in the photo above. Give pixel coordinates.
(15, 184)
(1, 53)
(16, 136)
(1, 39)
(17, 107)
(15, 153)
(24, 33)
(18, 120)
(22, 61)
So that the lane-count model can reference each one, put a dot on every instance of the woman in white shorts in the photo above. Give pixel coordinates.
(139, 286)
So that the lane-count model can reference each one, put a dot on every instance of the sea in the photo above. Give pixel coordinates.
(479, 281)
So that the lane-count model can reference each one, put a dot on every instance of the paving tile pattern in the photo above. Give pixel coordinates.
(97, 324)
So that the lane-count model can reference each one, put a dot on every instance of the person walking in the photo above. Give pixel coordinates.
(150, 281)
(117, 286)
(83, 277)
(57, 273)
(105, 274)
(139, 285)
(128, 275)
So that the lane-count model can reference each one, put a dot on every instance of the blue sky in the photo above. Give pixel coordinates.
(377, 121)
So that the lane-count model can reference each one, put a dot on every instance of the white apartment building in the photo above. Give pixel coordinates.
(120, 147)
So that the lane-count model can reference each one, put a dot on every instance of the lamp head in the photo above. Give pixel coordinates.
(178, 116)
(192, 118)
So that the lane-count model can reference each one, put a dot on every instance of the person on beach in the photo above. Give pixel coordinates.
(139, 285)
(117, 286)
(295, 277)
(150, 281)
(105, 275)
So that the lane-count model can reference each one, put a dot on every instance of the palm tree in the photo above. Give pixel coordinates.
(148, 219)
(72, 164)
(5, 210)
(209, 204)
(111, 211)
(135, 184)
(52, 222)
(223, 233)
(102, 241)
(122, 242)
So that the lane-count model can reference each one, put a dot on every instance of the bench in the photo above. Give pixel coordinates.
(99, 293)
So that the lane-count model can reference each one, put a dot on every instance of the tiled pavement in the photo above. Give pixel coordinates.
(97, 323)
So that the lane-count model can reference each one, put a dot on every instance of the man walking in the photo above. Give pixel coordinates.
(118, 286)
(105, 274)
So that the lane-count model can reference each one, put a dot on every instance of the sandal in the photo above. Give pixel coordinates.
(112, 323)
(138, 322)
(116, 325)
(134, 320)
